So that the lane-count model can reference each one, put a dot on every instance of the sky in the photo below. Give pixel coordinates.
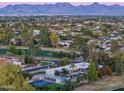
(3, 4)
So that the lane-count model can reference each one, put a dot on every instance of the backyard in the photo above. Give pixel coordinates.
(106, 83)
(44, 85)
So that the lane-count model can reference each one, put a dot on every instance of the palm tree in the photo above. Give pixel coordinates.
(22, 55)
(72, 54)
(115, 45)
(91, 49)
(119, 59)
(73, 67)
(69, 86)
(65, 71)
(78, 80)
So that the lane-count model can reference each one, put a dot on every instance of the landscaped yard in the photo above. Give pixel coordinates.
(44, 63)
(107, 83)
(54, 87)
(51, 87)
(43, 53)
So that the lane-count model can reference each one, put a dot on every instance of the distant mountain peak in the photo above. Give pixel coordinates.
(63, 8)
(95, 4)
(64, 4)
(116, 5)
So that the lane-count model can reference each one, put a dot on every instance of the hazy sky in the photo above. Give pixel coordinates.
(2, 4)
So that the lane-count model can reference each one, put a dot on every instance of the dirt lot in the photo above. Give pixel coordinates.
(107, 83)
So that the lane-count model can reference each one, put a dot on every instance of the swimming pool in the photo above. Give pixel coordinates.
(40, 83)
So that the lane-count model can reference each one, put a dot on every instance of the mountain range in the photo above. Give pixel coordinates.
(63, 9)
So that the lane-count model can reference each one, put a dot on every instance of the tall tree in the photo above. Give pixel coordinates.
(119, 59)
(32, 49)
(114, 45)
(69, 85)
(54, 39)
(92, 72)
(12, 49)
(64, 61)
(44, 38)
(79, 43)
(11, 78)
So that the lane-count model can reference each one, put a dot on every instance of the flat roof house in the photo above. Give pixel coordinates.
(78, 68)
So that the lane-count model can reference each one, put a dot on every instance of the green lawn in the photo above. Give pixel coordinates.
(44, 63)
(43, 53)
(52, 87)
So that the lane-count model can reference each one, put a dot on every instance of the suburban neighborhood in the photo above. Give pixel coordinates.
(61, 53)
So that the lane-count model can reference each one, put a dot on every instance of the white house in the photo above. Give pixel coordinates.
(65, 43)
(36, 32)
(51, 72)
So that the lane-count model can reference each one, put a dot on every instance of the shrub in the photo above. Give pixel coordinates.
(109, 70)
(92, 72)
(65, 71)
(28, 60)
(57, 73)
(106, 70)
(53, 66)
(64, 61)
(100, 73)
(26, 75)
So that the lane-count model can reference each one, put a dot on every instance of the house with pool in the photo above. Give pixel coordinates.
(60, 75)
(71, 71)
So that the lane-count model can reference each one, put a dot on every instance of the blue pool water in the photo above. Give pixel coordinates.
(41, 83)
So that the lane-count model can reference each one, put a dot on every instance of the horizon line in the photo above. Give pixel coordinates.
(4, 4)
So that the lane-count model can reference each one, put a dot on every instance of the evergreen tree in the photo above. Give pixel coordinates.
(54, 39)
(11, 78)
(92, 72)
(119, 59)
(12, 49)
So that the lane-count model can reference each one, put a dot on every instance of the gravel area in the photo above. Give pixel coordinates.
(107, 83)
